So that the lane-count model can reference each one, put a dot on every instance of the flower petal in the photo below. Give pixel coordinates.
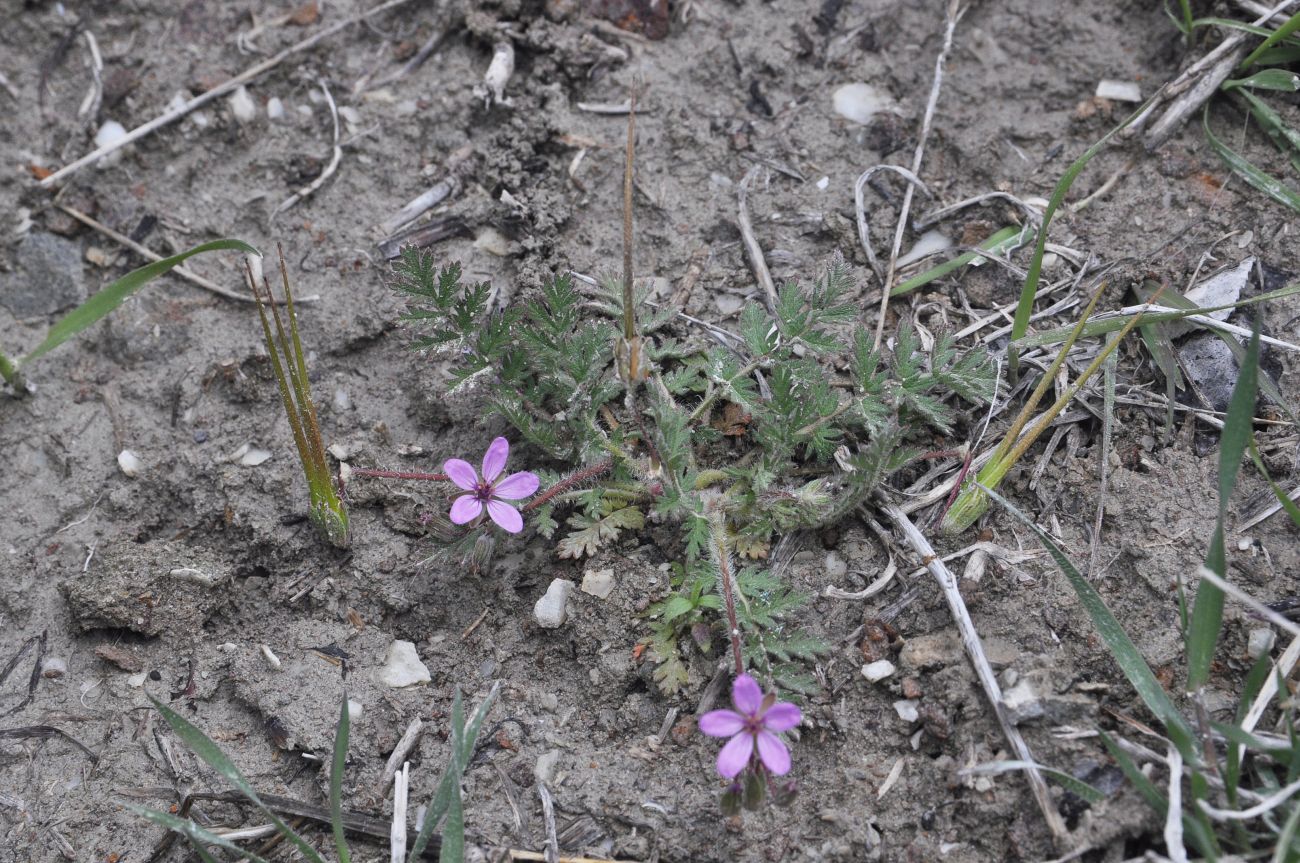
(735, 755)
(721, 723)
(494, 460)
(746, 695)
(461, 472)
(465, 508)
(506, 516)
(516, 486)
(773, 754)
(782, 716)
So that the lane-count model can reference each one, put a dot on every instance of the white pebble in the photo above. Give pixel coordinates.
(491, 241)
(271, 659)
(274, 108)
(249, 455)
(242, 105)
(1260, 642)
(402, 666)
(342, 400)
(878, 671)
(835, 565)
(54, 667)
(130, 463)
(551, 610)
(544, 770)
(860, 102)
(906, 710)
(498, 73)
(598, 582)
(355, 711)
(823, 183)
(136, 681)
(109, 133)
(1119, 91)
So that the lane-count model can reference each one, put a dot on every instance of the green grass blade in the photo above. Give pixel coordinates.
(337, 766)
(96, 307)
(453, 831)
(1265, 183)
(1280, 493)
(201, 745)
(994, 244)
(1207, 613)
(1288, 27)
(1078, 786)
(193, 832)
(1269, 79)
(476, 724)
(1286, 139)
(1127, 656)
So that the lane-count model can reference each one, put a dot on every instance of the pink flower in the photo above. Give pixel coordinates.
(757, 718)
(489, 492)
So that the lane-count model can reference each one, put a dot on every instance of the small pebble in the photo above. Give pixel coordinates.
(355, 711)
(878, 671)
(242, 105)
(544, 770)
(549, 701)
(54, 667)
(137, 680)
(271, 659)
(274, 108)
(860, 102)
(835, 566)
(1260, 642)
(551, 610)
(906, 710)
(342, 401)
(1119, 91)
(729, 304)
(598, 582)
(402, 666)
(130, 463)
(491, 240)
(200, 435)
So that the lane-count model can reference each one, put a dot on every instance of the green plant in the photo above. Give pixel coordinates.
(97, 307)
(735, 445)
(289, 363)
(446, 807)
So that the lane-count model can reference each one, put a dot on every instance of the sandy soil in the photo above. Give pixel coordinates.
(178, 376)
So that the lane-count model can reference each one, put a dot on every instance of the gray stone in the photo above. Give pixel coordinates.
(1022, 702)
(835, 566)
(931, 651)
(48, 278)
(551, 610)
(1260, 642)
(878, 671)
(546, 766)
(598, 582)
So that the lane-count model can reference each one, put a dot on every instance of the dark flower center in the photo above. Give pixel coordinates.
(483, 491)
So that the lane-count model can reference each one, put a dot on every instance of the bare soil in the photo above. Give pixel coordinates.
(179, 377)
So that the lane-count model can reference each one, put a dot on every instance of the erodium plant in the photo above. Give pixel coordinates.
(787, 425)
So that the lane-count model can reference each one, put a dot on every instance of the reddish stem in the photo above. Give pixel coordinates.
(573, 479)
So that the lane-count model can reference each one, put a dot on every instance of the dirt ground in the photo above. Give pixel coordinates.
(179, 377)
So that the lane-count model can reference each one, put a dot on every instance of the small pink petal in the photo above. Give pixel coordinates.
(506, 516)
(465, 508)
(494, 460)
(782, 716)
(773, 754)
(735, 755)
(746, 695)
(721, 723)
(461, 472)
(516, 486)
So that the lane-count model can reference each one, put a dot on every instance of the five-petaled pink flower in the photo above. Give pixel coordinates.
(488, 491)
(757, 718)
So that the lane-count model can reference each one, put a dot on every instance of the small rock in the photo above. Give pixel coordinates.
(242, 105)
(549, 701)
(130, 463)
(402, 666)
(906, 710)
(544, 770)
(551, 610)
(109, 133)
(54, 667)
(728, 304)
(835, 566)
(493, 242)
(933, 650)
(1119, 91)
(860, 102)
(1260, 642)
(912, 688)
(249, 455)
(355, 711)
(119, 656)
(1211, 368)
(274, 108)
(47, 279)
(137, 680)
(342, 401)
(1022, 702)
(598, 582)
(200, 436)
(878, 671)
(272, 660)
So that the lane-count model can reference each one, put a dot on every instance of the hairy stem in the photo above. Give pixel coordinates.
(576, 478)
(718, 528)
(399, 474)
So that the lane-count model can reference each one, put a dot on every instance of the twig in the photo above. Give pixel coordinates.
(400, 752)
(860, 204)
(1191, 101)
(333, 166)
(954, 13)
(548, 817)
(1174, 817)
(401, 798)
(89, 109)
(975, 652)
(145, 252)
(217, 91)
(752, 249)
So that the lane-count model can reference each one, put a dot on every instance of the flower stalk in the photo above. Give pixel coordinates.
(289, 363)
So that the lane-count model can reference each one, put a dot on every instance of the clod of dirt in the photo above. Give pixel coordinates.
(120, 656)
(933, 650)
(130, 586)
(48, 277)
